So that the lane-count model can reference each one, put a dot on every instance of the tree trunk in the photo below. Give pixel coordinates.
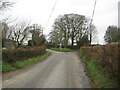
(65, 40)
(90, 38)
(65, 43)
(72, 42)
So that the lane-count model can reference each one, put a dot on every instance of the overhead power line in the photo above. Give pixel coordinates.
(51, 12)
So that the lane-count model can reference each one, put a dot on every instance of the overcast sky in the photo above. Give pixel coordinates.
(38, 11)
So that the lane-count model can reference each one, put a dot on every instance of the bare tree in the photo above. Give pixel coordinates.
(60, 29)
(19, 32)
(56, 37)
(5, 29)
(5, 4)
(93, 34)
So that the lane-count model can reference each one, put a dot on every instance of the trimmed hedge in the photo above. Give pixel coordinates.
(105, 57)
(62, 49)
(10, 56)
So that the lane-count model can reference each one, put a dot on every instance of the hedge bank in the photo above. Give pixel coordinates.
(105, 58)
(11, 56)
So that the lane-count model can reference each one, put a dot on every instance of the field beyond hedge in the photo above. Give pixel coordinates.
(102, 64)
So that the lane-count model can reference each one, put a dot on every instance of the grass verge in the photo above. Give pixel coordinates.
(62, 49)
(7, 67)
(98, 79)
(25, 63)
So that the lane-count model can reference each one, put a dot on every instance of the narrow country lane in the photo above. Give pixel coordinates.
(60, 70)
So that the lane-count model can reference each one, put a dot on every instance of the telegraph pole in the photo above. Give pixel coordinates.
(91, 22)
(118, 20)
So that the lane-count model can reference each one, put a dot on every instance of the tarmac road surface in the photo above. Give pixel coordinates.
(60, 70)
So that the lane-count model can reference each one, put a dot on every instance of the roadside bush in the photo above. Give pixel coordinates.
(105, 57)
(10, 56)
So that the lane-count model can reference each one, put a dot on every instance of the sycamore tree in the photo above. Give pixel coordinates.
(70, 29)
(19, 32)
(67, 27)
